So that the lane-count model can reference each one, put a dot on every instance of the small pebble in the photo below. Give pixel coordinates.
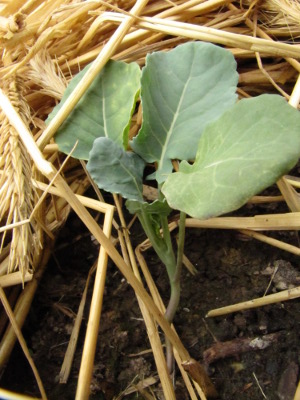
(288, 382)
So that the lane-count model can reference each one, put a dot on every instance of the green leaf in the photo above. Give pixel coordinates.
(104, 110)
(156, 208)
(248, 149)
(182, 91)
(116, 170)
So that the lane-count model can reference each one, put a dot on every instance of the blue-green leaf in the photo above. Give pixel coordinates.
(116, 170)
(105, 109)
(246, 150)
(182, 91)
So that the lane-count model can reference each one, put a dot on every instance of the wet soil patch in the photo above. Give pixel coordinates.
(230, 270)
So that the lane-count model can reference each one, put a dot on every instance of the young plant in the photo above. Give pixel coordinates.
(190, 112)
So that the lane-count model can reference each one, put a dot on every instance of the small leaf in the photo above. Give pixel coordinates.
(104, 110)
(156, 208)
(155, 211)
(182, 91)
(248, 149)
(116, 170)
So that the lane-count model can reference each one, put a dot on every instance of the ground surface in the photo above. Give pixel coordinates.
(230, 270)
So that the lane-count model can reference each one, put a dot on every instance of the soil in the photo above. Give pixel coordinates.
(230, 270)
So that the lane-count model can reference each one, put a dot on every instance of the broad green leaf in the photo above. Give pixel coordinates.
(104, 110)
(248, 149)
(116, 170)
(182, 91)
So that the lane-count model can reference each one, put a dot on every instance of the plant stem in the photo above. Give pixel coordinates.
(162, 244)
(154, 237)
(180, 249)
(175, 288)
(175, 278)
(164, 249)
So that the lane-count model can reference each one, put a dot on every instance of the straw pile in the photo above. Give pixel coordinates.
(43, 45)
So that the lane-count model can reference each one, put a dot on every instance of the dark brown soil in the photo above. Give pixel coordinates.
(230, 270)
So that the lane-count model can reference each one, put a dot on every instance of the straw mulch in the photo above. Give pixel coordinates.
(44, 44)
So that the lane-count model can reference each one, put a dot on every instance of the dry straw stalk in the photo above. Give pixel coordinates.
(45, 43)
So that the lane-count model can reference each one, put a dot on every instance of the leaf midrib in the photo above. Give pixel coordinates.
(104, 110)
(170, 131)
(133, 178)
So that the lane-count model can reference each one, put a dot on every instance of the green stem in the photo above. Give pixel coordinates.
(164, 249)
(161, 244)
(170, 262)
(175, 278)
(175, 289)
(154, 237)
(180, 249)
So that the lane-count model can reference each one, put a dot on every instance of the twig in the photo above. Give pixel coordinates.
(284, 295)
(237, 346)
(22, 342)
(258, 384)
(271, 280)
(264, 222)
(69, 354)
(152, 331)
(297, 394)
(211, 35)
(106, 53)
(89, 348)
